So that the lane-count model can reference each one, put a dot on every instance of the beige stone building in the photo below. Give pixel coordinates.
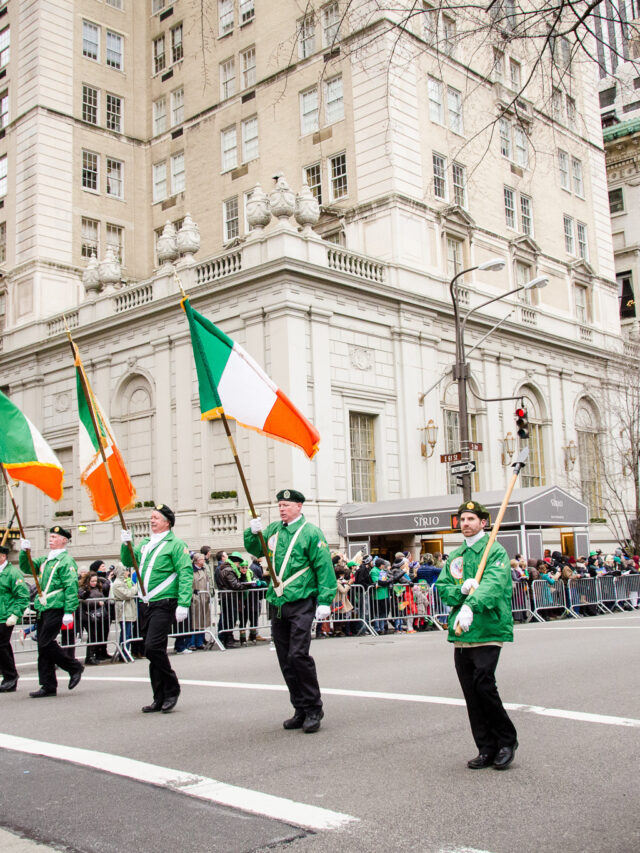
(119, 116)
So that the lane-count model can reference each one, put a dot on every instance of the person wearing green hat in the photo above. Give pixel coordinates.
(14, 599)
(483, 612)
(231, 585)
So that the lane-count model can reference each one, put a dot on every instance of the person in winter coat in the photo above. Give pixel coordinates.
(95, 617)
(231, 584)
(125, 593)
(14, 600)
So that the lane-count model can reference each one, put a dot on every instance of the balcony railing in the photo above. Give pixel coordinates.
(133, 297)
(358, 265)
(55, 326)
(528, 316)
(218, 268)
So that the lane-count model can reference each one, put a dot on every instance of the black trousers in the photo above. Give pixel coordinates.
(490, 723)
(291, 633)
(229, 615)
(157, 620)
(7, 661)
(50, 655)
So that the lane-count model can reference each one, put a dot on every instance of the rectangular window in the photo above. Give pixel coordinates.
(90, 41)
(498, 65)
(90, 170)
(452, 445)
(177, 173)
(454, 109)
(363, 456)
(4, 108)
(333, 100)
(454, 256)
(578, 184)
(307, 36)
(590, 456)
(449, 34)
(225, 16)
(114, 113)
(439, 176)
(430, 24)
(90, 104)
(330, 24)
(309, 118)
(583, 246)
(3, 175)
(459, 175)
(247, 11)
(534, 469)
(159, 181)
(523, 275)
(563, 166)
(3, 242)
(338, 176)
(521, 146)
(159, 116)
(515, 74)
(231, 220)
(115, 240)
(114, 50)
(157, 6)
(313, 178)
(117, 4)
(569, 242)
(89, 231)
(616, 201)
(505, 137)
(582, 313)
(250, 139)
(509, 207)
(557, 104)
(229, 149)
(571, 111)
(159, 57)
(227, 78)
(248, 66)
(436, 110)
(5, 45)
(177, 107)
(176, 44)
(626, 298)
(115, 178)
(526, 216)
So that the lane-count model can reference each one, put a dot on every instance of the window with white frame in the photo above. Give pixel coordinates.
(227, 78)
(521, 147)
(526, 215)
(454, 110)
(90, 98)
(330, 24)
(582, 304)
(177, 173)
(159, 116)
(4, 108)
(4, 167)
(504, 126)
(90, 171)
(338, 176)
(114, 50)
(157, 6)
(363, 456)
(177, 52)
(454, 256)
(248, 67)
(90, 41)
(3, 242)
(498, 65)
(159, 56)
(510, 207)
(515, 74)
(307, 36)
(590, 458)
(115, 178)
(225, 17)
(578, 184)
(534, 473)
(89, 229)
(563, 167)
(177, 106)
(523, 276)
(313, 179)
(436, 109)
(115, 240)
(448, 34)
(616, 201)
(247, 11)
(333, 100)
(309, 113)
(557, 104)
(159, 182)
(430, 24)
(439, 176)
(116, 4)
(571, 112)
(583, 245)
(250, 139)
(459, 181)
(114, 113)
(229, 144)
(569, 240)
(452, 445)
(231, 221)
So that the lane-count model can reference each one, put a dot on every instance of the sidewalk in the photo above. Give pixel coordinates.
(10, 843)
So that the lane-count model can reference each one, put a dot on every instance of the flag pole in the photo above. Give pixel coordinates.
(89, 398)
(5, 535)
(236, 457)
(17, 515)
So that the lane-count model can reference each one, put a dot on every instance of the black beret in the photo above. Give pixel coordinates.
(474, 507)
(290, 495)
(169, 514)
(60, 531)
(4, 549)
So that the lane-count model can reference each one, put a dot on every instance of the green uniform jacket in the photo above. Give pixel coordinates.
(14, 593)
(491, 602)
(169, 557)
(381, 592)
(62, 587)
(310, 550)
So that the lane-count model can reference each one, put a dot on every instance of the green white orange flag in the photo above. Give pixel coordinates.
(25, 454)
(93, 471)
(230, 381)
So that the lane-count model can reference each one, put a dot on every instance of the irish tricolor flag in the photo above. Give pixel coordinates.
(231, 381)
(93, 471)
(25, 454)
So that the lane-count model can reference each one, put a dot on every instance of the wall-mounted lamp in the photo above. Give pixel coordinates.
(508, 447)
(430, 437)
(570, 455)
(82, 528)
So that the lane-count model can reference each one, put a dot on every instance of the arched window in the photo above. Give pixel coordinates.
(589, 456)
(135, 433)
(533, 474)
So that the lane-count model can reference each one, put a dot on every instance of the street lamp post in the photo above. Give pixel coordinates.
(460, 367)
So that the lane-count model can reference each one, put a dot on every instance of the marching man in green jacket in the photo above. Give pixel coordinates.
(165, 567)
(486, 620)
(58, 576)
(14, 598)
(306, 587)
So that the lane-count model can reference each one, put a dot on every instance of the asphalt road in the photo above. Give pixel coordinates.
(391, 753)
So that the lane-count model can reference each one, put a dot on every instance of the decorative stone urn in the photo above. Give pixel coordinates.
(258, 212)
(167, 248)
(91, 277)
(282, 200)
(307, 209)
(188, 239)
(109, 269)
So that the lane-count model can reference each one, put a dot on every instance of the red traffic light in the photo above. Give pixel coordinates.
(522, 422)
(520, 413)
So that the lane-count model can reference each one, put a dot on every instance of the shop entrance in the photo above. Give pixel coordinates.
(431, 546)
(568, 544)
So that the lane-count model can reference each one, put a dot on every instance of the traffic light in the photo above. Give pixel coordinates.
(522, 422)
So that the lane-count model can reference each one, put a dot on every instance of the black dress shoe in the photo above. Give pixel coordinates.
(483, 759)
(504, 756)
(169, 704)
(38, 694)
(150, 709)
(312, 722)
(295, 722)
(74, 680)
(9, 686)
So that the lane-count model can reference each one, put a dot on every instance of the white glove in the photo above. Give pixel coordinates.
(464, 618)
(67, 619)
(11, 621)
(25, 545)
(42, 598)
(468, 585)
(255, 524)
(323, 611)
(181, 613)
(125, 536)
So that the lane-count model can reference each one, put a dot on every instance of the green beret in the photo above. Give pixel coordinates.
(290, 495)
(474, 507)
(60, 531)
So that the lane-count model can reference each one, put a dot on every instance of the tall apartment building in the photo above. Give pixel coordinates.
(119, 116)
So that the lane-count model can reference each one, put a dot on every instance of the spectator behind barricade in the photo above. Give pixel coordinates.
(428, 571)
(420, 593)
(124, 593)
(341, 606)
(380, 595)
(95, 617)
(515, 570)
(250, 605)
(200, 609)
(413, 569)
(439, 560)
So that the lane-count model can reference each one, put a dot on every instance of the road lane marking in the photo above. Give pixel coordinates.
(190, 784)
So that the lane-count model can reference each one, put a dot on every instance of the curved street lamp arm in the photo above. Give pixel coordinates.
(489, 301)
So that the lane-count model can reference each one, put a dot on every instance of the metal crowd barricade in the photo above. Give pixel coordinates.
(439, 610)
(520, 600)
(627, 590)
(349, 615)
(240, 614)
(583, 592)
(546, 596)
(607, 588)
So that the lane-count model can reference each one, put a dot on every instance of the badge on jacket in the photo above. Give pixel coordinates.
(456, 567)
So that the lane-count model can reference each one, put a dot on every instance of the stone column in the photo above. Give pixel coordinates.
(407, 370)
(162, 468)
(184, 416)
